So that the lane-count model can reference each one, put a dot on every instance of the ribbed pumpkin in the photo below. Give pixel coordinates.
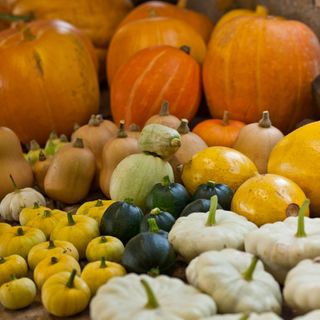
(48, 79)
(149, 32)
(151, 76)
(254, 62)
(201, 23)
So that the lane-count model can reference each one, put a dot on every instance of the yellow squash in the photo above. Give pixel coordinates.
(27, 214)
(17, 293)
(13, 264)
(97, 273)
(65, 294)
(20, 240)
(267, 199)
(111, 248)
(4, 226)
(78, 229)
(52, 265)
(50, 248)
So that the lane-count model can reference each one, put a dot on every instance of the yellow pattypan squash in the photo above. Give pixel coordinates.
(13, 264)
(27, 214)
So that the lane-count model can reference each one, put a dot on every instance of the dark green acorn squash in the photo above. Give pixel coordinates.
(164, 220)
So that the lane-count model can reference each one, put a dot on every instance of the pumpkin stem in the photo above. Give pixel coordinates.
(71, 221)
(182, 3)
(20, 232)
(164, 110)
(35, 205)
(103, 239)
(63, 138)
(13, 183)
(34, 145)
(185, 49)
(248, 274)
(225, 118)
(54, 260)
(122, 131)
(155, 211)
(99, 203)
(211, 184)
(70, 281)
(134, 127)
(152, 302)
(78, 143)
(51, 245)
(212, 212)
(99, 117)
(153, 226)
(175, 142)
(47, 213)
(153, 272)
(75, 127)
(300, 230)
(128, 200)
(166, 181)
(94, 122)
(13, 17)
(261, 10)
(13, 277)
(103, 263)
(265, 122)
(184, 127)
(42, 156)
(2, 260)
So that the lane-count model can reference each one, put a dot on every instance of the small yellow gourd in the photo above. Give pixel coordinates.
(13, 264)
(27, 214)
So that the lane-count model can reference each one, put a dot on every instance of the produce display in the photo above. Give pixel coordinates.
(156, 164)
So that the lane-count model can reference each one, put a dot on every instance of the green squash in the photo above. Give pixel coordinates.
(168, 196)
(121, 220)
(135, 176)
(198, 205)
(164, 220)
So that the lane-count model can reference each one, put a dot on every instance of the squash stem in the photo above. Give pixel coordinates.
(152, 302)
(103, 263)
(51, 244)
(71, 221)
(265, 122)
(20, 232)
(155, 211)
(122, 130)
(34, 145)
(153, 272)
(63, 138)
(99, 203)
(36, 205)
(301, 230)
(103, 239)
(54, 260)
(212, 212)
(248, 274)
(2, 260)
(225, 119)
(128, 200)
(211, 184)
(184, 127)
(164, 110)
(185, 49)
(47, 213)
(244, 317)
(70, 281)
(166, 181)
(175, 142)
(15, 187)
(13, 277)
(13, 17)
(153, 226)
(42, 156)
(78, 143)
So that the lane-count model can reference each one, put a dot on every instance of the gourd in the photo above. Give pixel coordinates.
(140, 86)
(40, 169)
(145, 170)
(72, 100)
(163, 219)
(219, 132)
(112, 153)
(256, 141)
(12, 264)
(13, 162)
(28, 214)
(33, 153)
(70, 174)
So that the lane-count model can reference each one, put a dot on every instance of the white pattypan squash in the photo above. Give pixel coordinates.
(12, 204)
(141, 297)
(236, 281)
(281, 245)
(243, 316)
(314, 315)
(302, 286)
(215, 230)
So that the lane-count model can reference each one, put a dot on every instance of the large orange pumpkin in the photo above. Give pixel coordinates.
(151, 76)
(258, 62)
(201, 23)
(48, 79)
(149, 32)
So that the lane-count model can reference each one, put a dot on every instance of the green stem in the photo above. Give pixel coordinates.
(152, 302)
(247, 275)
(185, 49)
(70, 281)
(99, 203)
(54, 260)
(211, 184)
(47, 213)
(13, 183)
(166, 181)
(175, 142)
(164, 110)
(2, 260)
(50, 148)
(212, 212)
(13, 277)
(71, 221)
(155, 211)
(13, 17)
(51, 244)
(300, 230)
(128, 200)
(36, 205)
(153, 226)
(245, 317)
(20, 232)
(153, 272)
(103, 239)
(103, 263)
(122, 130)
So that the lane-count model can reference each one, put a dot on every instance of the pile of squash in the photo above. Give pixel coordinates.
(98, 213)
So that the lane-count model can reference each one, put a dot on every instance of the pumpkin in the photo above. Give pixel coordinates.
(219, 132)
(198, 21)
(112, 153)
(17, 293)
(65, 294)
(12, 162)
(70, 174)
(144, 170)
(133, 37)
(256, 141)
(12, 264)
(220, 164)
(150, 77)
(284, 58)
(97, 273)
(191, 143)
(28, 214)
(27, 53)
(40, 169)
(267, 198)
(164, 117)
(297, 157)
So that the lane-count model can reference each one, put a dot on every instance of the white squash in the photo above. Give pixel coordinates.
(281, 245)
(302, 286)
(12, 204)
(236, 281)
(314, 315)
(145, 298)
(214, 230)
(244, 316)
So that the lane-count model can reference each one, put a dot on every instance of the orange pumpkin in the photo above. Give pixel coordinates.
(48, 79)
(219, 132)
(258, 62)
(201, 23)
(152, 76)
(149, 32)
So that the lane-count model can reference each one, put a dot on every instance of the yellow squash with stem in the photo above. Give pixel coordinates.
(27, 214)
(13, 264)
